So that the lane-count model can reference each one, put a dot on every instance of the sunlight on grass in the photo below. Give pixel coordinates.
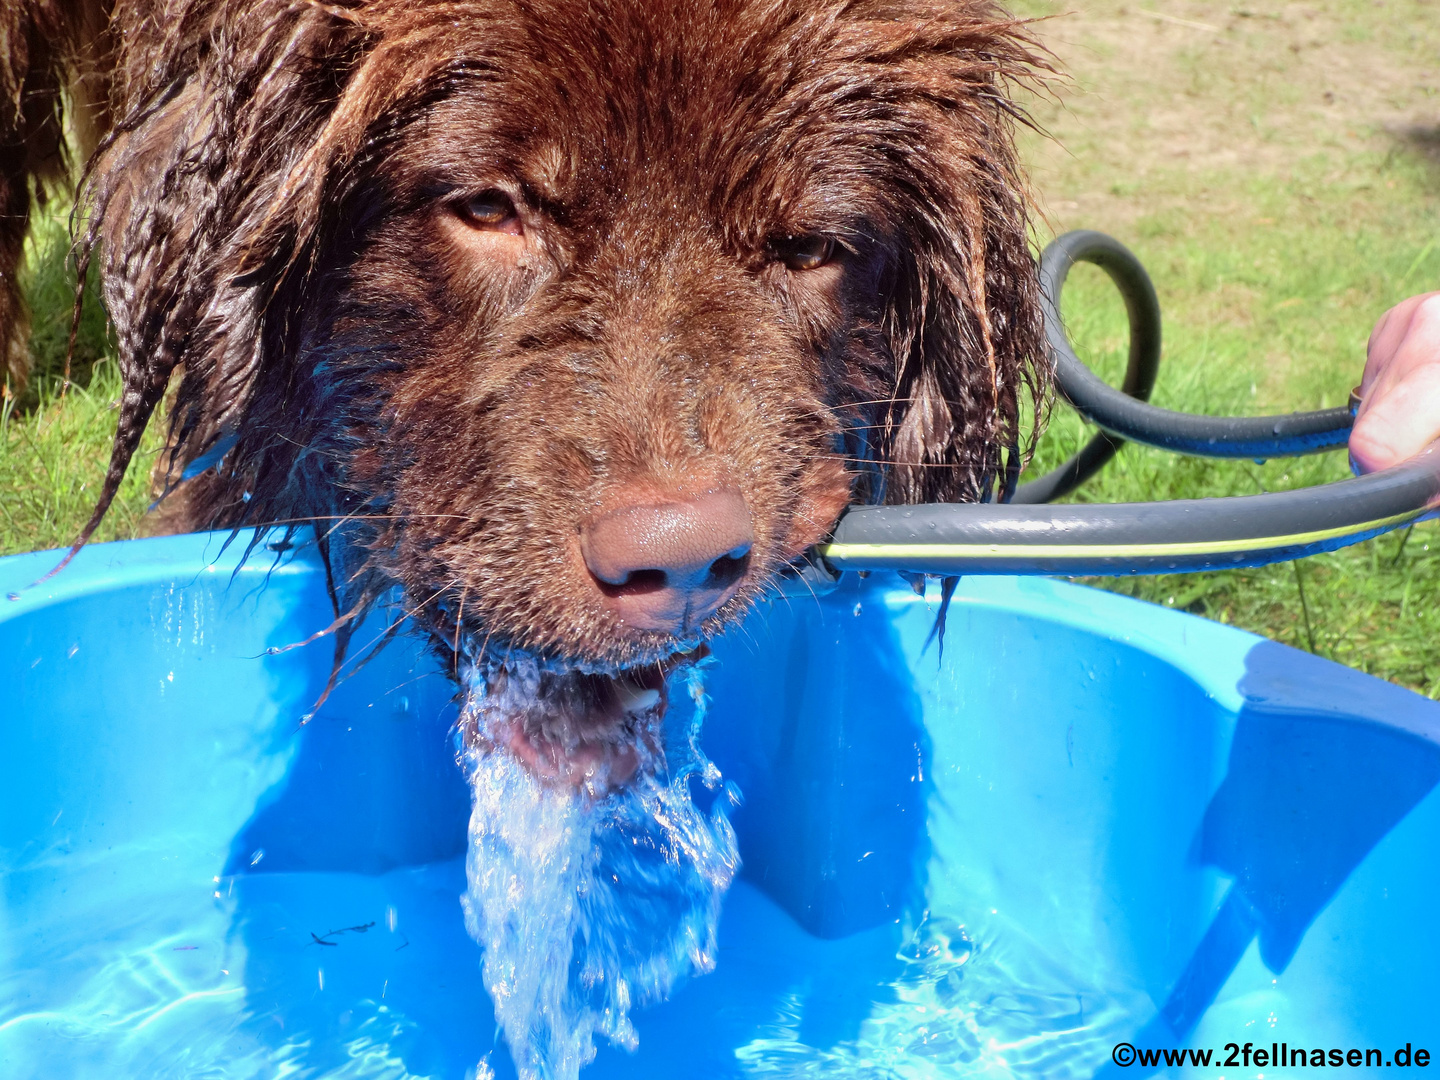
(54, 446)
(53, 459)
(1274, 246)
(1369, 606)
(48, 281)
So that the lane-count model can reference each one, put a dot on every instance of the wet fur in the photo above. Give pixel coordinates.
(268, 205)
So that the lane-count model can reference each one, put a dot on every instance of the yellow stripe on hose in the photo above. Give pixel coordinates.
(899, 554)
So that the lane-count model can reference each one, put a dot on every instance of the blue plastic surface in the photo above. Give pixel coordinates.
(1150, 827)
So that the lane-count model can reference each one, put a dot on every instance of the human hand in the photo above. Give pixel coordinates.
(1400, 394)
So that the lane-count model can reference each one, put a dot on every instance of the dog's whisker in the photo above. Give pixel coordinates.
(459, 620)
(405, 614)
(345, 518)
(902, 464)
(872, 401)
(276, 650)
(485, 644)
(309, 518)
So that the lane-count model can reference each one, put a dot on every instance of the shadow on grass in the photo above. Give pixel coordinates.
(1423, 141)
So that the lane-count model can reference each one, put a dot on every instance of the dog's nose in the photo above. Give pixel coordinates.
(668, 567)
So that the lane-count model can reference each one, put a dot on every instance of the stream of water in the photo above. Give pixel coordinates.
(590, 907)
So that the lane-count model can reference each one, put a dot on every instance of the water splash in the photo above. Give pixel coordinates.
(990, 1005)
(589, 907)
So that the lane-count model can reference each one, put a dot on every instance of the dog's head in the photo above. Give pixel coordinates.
(577, 320)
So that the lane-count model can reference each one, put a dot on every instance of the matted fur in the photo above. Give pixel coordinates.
(270, 211)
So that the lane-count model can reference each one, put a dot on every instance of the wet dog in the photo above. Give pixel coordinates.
(577, 322)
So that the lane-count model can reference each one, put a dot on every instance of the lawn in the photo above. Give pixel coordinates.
(54, 440)
(1276, 166)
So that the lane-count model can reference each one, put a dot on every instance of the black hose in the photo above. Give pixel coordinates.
(1142, 309)
(1287, 435)
(1141, 538)
(1133, 538)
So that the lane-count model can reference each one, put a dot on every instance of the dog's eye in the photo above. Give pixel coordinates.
(804, 252)
(490, 210)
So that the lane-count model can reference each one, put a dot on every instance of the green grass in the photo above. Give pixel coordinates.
(52, 459)
(1275, 170)
(48, 280)
(1370, 606)
(55, 441)
(1274, 243)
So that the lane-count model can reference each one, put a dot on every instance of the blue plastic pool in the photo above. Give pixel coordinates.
(1091, 821)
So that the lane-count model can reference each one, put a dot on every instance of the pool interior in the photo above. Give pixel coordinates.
(1085, 820)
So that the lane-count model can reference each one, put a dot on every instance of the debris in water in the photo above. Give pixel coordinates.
(321, 938)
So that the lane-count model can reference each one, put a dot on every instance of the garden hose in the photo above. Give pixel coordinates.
(1142, 309)
(1083, 539)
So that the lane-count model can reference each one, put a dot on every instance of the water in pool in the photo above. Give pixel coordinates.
(321, 974)
(948, 871)
(402, 998)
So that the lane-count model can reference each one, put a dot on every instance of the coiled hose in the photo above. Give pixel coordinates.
(1026, 536)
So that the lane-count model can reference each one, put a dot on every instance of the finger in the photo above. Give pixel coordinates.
(1408, 337)
(1399, 423)
(1384, 341)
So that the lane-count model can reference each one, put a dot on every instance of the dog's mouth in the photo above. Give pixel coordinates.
(582, 730)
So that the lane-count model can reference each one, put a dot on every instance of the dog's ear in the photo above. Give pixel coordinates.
(962, 324)
(218, 113)
(208, 204)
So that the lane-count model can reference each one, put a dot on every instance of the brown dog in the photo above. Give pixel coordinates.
(577, 320)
